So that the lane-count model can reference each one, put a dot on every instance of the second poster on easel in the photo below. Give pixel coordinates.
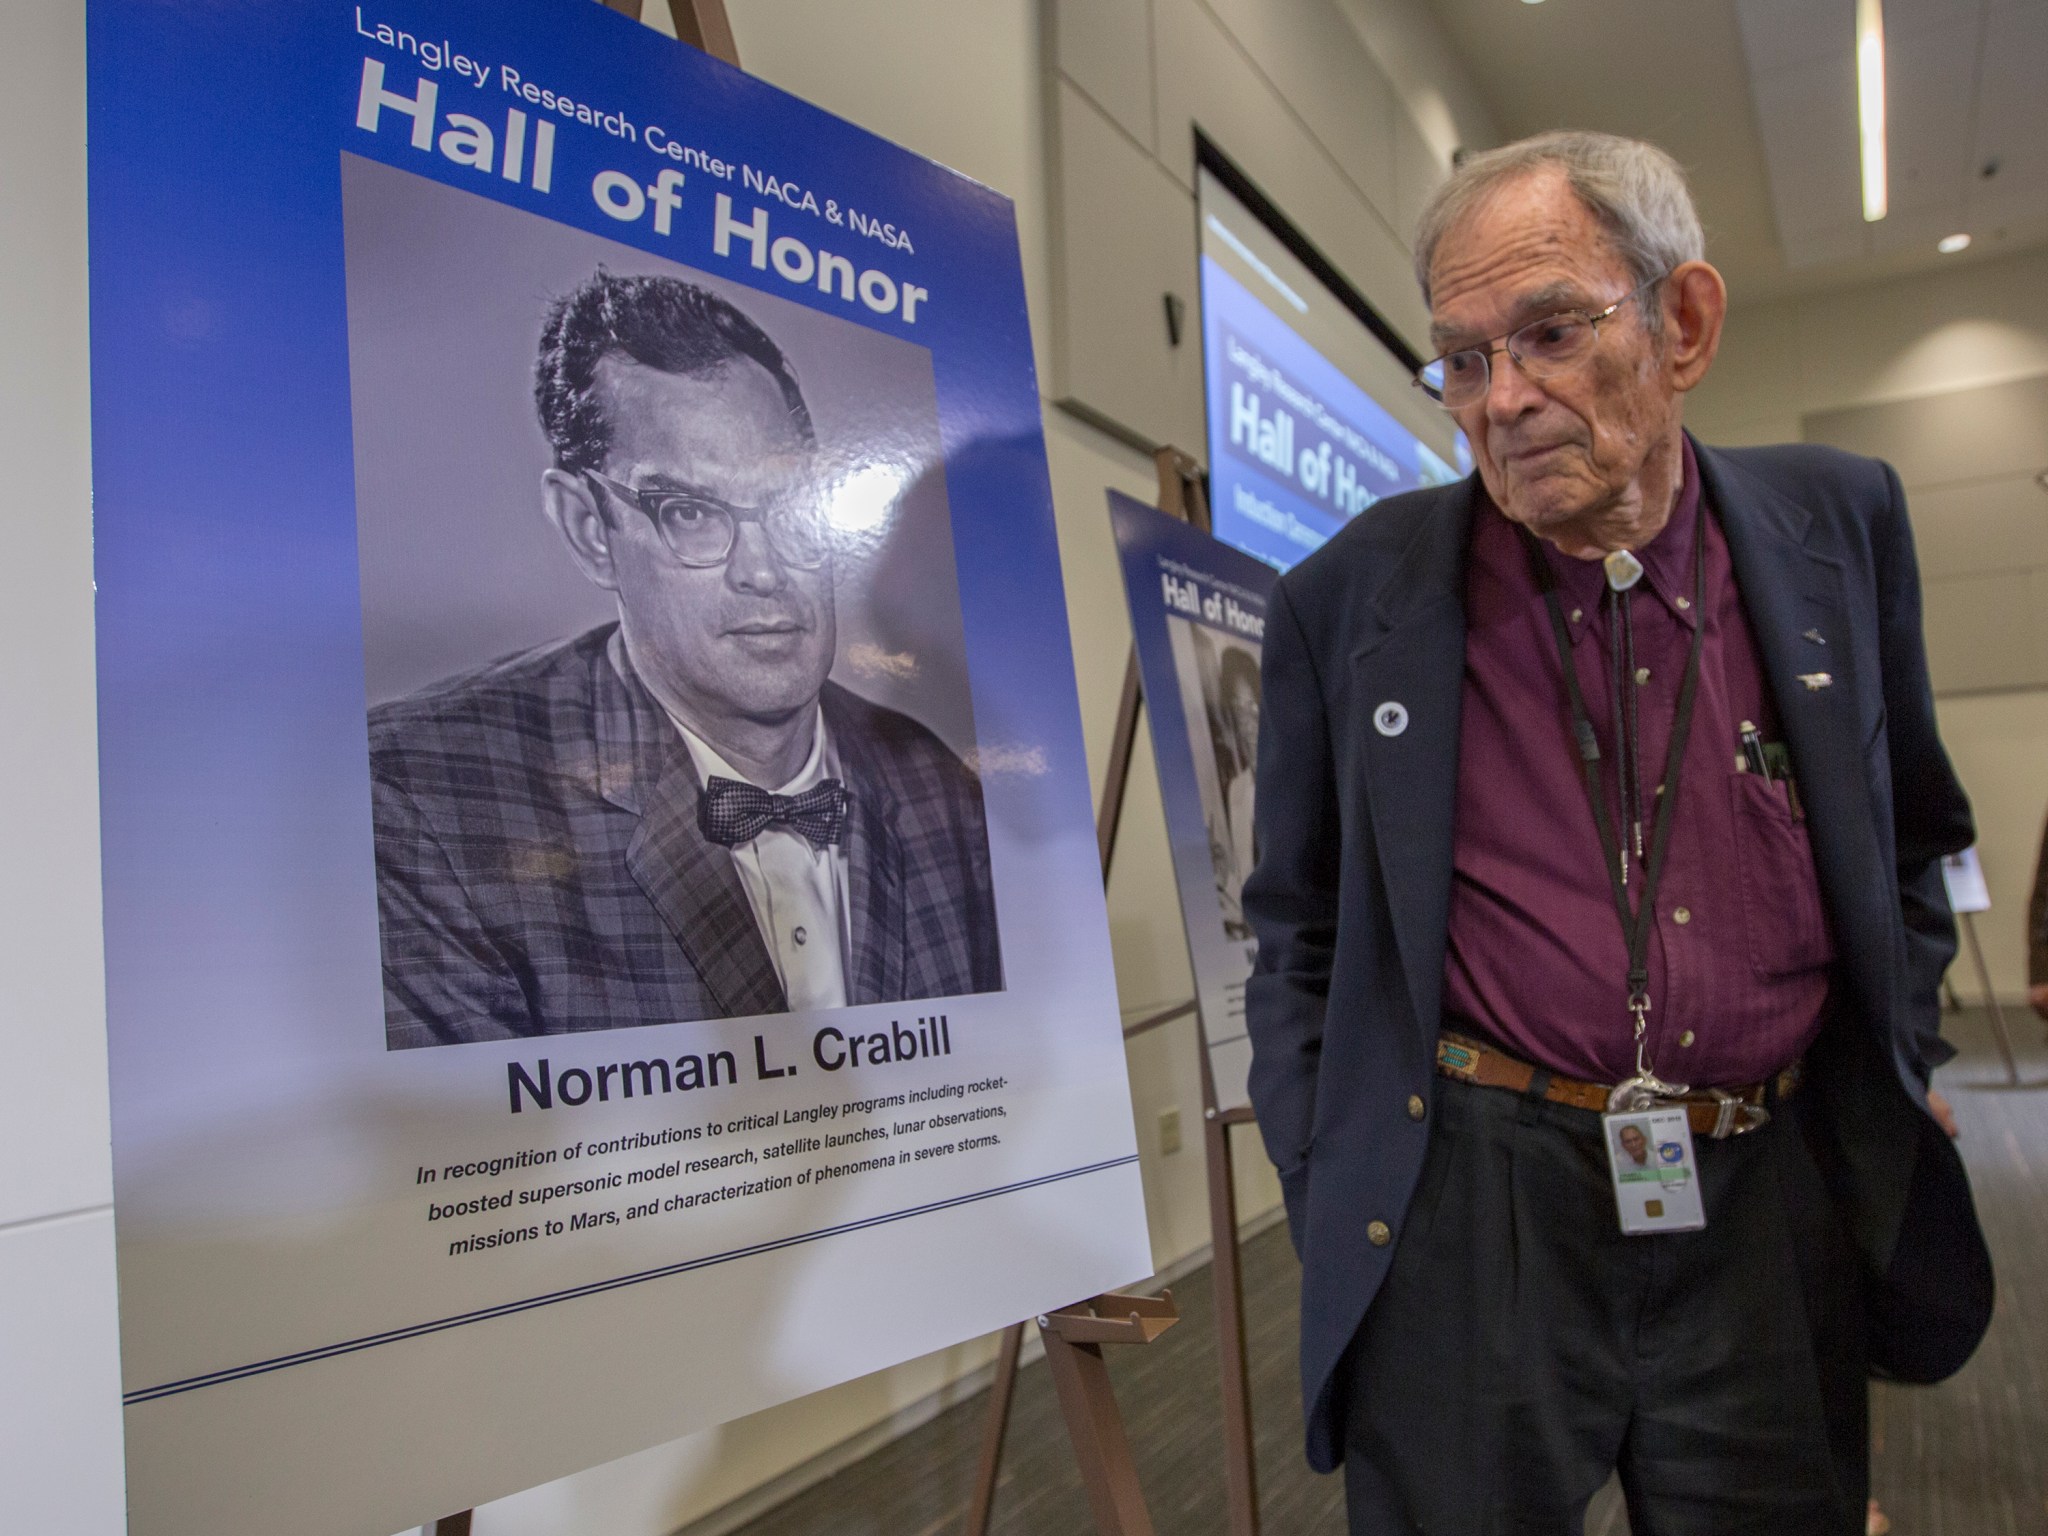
(1198, 620)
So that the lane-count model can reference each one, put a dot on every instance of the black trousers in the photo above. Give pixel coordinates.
(1521, 1348)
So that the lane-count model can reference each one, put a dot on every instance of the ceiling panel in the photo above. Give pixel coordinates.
(1916, 229)
(1813, 106)
(1913, 18)
(2012, 113)
(1757, 99)
(1776, 33)
(1930, 79)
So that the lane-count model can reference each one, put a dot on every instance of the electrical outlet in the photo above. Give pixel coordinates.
(1169, 1131)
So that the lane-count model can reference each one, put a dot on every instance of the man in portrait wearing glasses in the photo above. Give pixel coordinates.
(674, 816)
(1605, 783)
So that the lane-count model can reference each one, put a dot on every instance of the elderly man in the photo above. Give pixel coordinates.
(1605, 782)
(674, 816)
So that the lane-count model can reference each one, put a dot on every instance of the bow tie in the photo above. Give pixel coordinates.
(730, 812)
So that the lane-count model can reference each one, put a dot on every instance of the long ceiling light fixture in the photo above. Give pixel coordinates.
(1870, 103)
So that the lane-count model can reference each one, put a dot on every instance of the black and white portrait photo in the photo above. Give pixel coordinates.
(1219, 686)
(669, 716)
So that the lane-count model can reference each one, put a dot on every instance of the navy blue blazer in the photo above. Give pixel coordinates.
(1350, 897)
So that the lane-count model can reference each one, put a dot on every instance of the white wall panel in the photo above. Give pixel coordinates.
(1202, 82)
(1315, 63)
(60, 1379)
(1950, 435)
(1105, 48)
(53, 1140)
(1981, 634)
(1981, 527)
(1124, 238)
(1418, 172)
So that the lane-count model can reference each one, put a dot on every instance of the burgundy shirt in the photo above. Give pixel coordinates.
(1537, 962)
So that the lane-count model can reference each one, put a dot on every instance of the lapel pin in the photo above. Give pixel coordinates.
(1815, 681)
(1815, 636)
(1390, 719)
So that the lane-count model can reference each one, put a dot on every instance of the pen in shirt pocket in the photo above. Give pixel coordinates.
(1751, 742)
(1770, 761)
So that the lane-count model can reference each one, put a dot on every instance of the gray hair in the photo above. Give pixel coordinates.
(1635, 190)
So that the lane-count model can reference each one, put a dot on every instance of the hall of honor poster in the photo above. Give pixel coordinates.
(603, 928)
(1198, 621)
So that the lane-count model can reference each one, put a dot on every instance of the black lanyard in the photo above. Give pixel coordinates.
(1636, 924)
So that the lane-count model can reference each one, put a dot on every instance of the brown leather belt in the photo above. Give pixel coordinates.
(1713, 1112)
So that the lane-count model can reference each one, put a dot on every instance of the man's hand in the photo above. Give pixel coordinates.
(1944, 1113)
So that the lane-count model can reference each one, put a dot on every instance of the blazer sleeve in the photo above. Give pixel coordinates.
(1290, 899)
(1930, 812)
(445, 980)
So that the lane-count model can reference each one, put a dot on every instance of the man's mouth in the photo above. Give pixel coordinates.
(766, 627)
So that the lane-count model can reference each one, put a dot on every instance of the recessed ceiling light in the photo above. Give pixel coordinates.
(1948, 245)
(1532, 2)
(1870, 104)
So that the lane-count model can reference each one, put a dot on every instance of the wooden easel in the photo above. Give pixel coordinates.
(1074, 1335)
(702, 24)
(1181, 495)
(1968, 922)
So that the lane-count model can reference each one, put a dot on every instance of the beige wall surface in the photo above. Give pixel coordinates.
(1941, 353)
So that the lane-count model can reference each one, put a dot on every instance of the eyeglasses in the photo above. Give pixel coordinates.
(701, 530)
(1543, 349)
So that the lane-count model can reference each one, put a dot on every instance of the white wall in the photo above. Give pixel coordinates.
(60, 1429)
(1983, 322)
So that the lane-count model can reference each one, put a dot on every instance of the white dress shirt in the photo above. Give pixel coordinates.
(798, 892)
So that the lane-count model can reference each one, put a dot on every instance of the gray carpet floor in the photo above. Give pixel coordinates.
(1968, 1458)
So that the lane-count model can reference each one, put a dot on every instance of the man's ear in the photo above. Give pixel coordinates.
(571, 504)
(1695, 304)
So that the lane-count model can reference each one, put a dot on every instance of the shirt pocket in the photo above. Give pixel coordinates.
(1781, 911)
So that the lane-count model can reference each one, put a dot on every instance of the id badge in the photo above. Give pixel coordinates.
(1656, 1180)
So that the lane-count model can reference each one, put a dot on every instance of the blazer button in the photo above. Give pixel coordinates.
(1416, 1108)
(1379, 1234)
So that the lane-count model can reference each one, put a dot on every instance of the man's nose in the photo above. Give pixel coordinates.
(1509, 391)
(752, 566)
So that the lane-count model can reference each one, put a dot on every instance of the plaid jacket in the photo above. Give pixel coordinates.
(540, 869)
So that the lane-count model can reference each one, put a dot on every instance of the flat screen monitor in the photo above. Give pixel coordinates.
(1312, 416)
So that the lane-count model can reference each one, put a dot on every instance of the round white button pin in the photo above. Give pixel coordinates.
(1390, 719)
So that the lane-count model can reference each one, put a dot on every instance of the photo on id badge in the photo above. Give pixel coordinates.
(1655, 1186)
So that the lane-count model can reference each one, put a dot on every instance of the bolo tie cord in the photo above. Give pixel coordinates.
(1628, 729)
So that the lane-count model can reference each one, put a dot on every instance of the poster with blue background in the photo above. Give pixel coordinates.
(601, 903)
(1198, 622)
